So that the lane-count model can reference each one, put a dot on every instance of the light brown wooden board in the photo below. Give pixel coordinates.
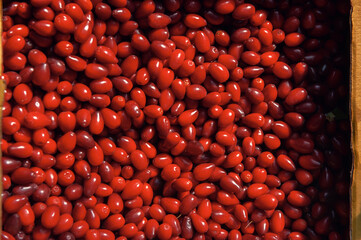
(356, 119)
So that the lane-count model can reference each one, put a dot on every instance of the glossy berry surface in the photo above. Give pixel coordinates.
(179, 119)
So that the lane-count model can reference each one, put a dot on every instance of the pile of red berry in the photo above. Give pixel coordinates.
(175, 119)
